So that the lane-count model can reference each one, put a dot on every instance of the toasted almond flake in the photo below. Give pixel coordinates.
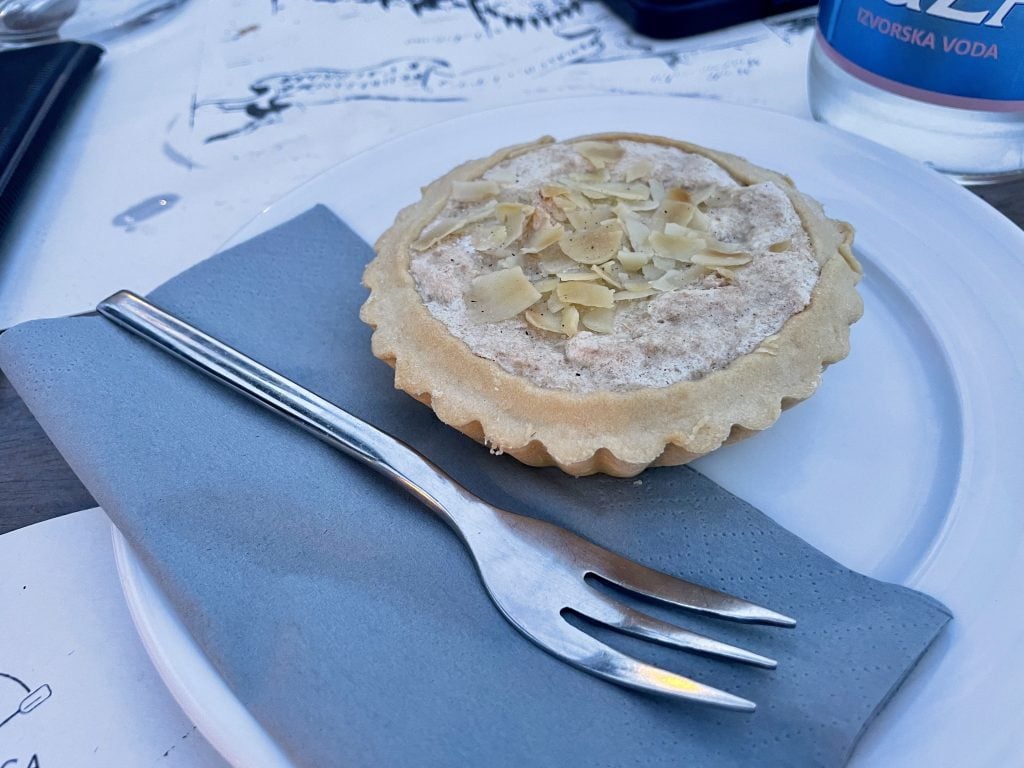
(591, 177)
(513, 216)
(598, 320)
(701, 196)
(539, 219)
(716, 260)
(619, 190)
(544, 320)
(636, 285)
(679, 231)
(657, 190)
(636, 231)
(592, 246)
(441, 229)
(669, 281)
(644, 207)
(554, 253)
(780, 247)
(677, 278)
(673, 245)
(585, 294)
(677, 194)
(574, 201)
(505, 211)
(474, 191)
(557, 214)
(639, 169)
(551, 191)
(545, 284)
(553, 304)
(581, 219)
(553, 263)
(497, 254)
(500, 295)
(623, 211)
(631, 295)
(692, 273)
(716, 198)
(599, 153)
(564, 320)
(717, 246)
(570, 321)
(677, 212)
(565, 204)
(507, 262)
(653, 271)
(631, 261)
(664, 264)
(542, 238)
(604, 275)
(700, 221)
(487, 237)
(576, 276)
(590, 217)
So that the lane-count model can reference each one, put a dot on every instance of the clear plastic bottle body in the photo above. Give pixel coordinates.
(975, 146)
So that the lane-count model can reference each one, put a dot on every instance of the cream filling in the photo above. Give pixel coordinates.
(656, 341)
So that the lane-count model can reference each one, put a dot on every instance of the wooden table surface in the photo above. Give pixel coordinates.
(36, 484)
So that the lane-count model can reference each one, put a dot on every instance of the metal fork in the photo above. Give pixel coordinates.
(535, 572)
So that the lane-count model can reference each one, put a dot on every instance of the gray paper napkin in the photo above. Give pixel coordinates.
(351, 622)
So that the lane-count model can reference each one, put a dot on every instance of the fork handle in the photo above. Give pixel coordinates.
(386, 454)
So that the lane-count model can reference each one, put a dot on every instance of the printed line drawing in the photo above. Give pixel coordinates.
(607, 46)
(408, 78)
(18, 695)
(426, 78)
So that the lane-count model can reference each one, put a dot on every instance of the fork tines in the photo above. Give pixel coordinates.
(598, 606)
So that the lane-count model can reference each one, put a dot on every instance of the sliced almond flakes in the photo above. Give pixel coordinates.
(585, 294)
(500, 295)
(599, 153)
(592, 246)
(441, 229)
(474, 191)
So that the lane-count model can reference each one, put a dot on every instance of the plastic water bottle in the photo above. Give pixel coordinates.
(939, 80)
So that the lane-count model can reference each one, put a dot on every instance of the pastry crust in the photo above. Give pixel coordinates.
(614, 432)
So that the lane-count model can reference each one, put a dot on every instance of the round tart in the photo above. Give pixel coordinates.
(611, 302)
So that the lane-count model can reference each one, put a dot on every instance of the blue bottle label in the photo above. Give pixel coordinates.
(959, 53)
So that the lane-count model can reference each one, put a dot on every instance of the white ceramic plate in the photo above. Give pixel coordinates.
(903, 465)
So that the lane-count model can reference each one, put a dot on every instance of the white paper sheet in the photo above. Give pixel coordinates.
(76, 686)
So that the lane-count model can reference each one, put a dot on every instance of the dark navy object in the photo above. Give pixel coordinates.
(36, 86)
(668, 19)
